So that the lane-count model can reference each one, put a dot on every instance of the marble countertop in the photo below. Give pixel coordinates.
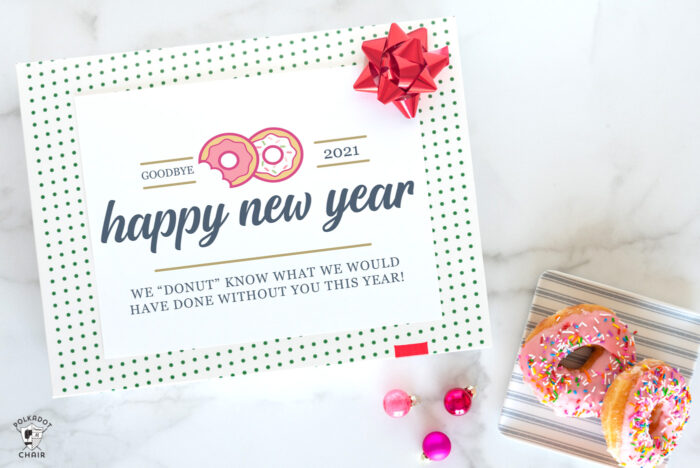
(584, 127)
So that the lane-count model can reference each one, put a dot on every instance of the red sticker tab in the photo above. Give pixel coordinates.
(414, 349)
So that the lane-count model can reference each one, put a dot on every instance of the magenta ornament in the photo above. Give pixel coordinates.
(436, 446)
(459, 400)
(397, 403)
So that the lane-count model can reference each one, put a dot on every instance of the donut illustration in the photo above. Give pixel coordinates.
(233, 155)
(280, 154)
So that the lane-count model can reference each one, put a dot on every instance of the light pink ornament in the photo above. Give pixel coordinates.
(397, 403)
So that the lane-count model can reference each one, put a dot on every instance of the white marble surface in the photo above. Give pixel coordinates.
(584, 123)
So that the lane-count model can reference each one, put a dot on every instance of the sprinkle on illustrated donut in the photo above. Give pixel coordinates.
(644, 412)
(576, 392)
(280, 154)
(233, 155)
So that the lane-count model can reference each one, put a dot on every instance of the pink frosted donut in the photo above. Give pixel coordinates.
(644, 413)
(233, 155)
(280, 154)
(576, 392)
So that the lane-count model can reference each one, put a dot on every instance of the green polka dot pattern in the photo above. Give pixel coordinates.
(47, 92)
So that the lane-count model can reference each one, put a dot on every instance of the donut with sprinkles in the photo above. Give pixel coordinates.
(644, 413)
(576, 392)
(280, 153)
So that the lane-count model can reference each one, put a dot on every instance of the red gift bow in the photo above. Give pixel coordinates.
(400, 68)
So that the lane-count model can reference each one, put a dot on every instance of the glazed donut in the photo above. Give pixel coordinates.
(576, 392)
(644, 412)
(280, 154)
(233, 155)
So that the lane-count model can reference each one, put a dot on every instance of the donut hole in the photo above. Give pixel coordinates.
(228, 160)
(272, 154)
(581, 356)
(655, 419)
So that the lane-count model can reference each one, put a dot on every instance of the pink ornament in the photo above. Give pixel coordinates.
(397, 403)
(436, 446)
(459, 400)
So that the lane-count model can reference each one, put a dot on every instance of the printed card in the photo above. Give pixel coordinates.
(219, 210)
(241, 210)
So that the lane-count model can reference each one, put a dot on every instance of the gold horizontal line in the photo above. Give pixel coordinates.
(170, 185)
(340, 139)
(263, 257)
(161, 161)
(344, 163)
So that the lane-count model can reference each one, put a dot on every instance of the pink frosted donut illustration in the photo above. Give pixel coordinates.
(233, 155)
(280, 154)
